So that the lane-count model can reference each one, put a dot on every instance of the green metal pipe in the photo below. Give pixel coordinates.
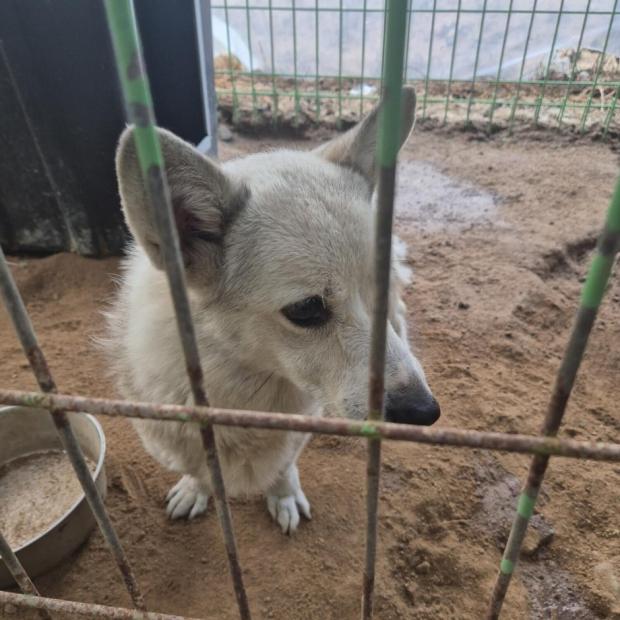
(388, 145)
(139, 109)
(599, 67)
(591, 296)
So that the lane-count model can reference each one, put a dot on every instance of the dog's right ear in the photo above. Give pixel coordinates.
(356, 148)
(205, 201)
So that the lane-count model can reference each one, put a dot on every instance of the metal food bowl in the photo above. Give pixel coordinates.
(25, 431)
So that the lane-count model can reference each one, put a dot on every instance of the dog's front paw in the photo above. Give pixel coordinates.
(285, 510)
(187, 498)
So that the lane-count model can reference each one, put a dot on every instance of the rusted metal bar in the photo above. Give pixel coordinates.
(83, 610)
(19, 573)
(388, 144)
(458, 438)
(139, 110)
(591, 297)
(38, 363)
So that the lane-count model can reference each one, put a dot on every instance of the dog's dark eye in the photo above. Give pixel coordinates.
(310, 312)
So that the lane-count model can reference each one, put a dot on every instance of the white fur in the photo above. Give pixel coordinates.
(286, 225)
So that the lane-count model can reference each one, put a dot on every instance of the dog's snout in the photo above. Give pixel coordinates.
(405, 407)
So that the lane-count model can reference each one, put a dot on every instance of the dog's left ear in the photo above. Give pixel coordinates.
(357, 147)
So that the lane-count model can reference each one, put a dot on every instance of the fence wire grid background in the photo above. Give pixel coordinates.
(139, 109)
(489, 63)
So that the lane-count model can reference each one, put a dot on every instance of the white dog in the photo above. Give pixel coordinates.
(278, 249)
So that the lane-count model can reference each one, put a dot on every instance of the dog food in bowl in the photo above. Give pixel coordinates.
(35, 491)
(43, 512)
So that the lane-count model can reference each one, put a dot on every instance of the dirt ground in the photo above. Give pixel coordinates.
(499, 237)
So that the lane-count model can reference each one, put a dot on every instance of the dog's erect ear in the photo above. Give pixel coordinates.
(357, 147)
(204, 199)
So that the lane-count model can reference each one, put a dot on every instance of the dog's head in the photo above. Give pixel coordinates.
(278, 249)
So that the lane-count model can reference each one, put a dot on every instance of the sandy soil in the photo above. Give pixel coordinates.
(499, 236)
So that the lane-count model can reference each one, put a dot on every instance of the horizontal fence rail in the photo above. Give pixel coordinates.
(527, 444)
(80, 610)
(492, 66)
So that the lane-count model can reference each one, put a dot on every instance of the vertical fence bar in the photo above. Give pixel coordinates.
(38, 363)
(407, 40)
(340, 25)
(545, 77)
(387, 151)
(430, 57)
(139, 109)
(231, 70)
(611, 113)
(252, 84)
(597, 75)
(363, 66)
(19, 573)
(500, 63)
(515, 101)
(317, 13)
(573, 67)
(202, 11)
(591, 296)
(275, 114)
(476, 61)
(294, 18)
(452, 56)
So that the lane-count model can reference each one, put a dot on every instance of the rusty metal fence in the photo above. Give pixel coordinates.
(135, 87)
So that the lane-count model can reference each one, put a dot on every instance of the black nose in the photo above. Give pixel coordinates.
(405, 407)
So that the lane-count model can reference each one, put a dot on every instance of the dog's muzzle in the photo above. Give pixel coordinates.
(403, 407)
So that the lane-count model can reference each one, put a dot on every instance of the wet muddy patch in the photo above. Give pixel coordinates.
(552, 592)
(437, 202)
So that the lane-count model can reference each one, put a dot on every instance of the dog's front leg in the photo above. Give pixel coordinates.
(187, 498)
(286, 499)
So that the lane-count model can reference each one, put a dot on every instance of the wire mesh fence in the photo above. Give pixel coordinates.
(489, 63)
(138, 104)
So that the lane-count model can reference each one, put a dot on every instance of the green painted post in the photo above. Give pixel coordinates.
(364, 13)
(591, 296)
(275, 113)
(387, 151)
(252, 84)
(429, 59)
(317, 62)
(452, 56)
(500, 63)
(597, 74)
(139, 109)
(573, 67)
(545, 77)
(296, 87)
(476, 61)
(340, 42)
(515, 101)
(231, 70)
